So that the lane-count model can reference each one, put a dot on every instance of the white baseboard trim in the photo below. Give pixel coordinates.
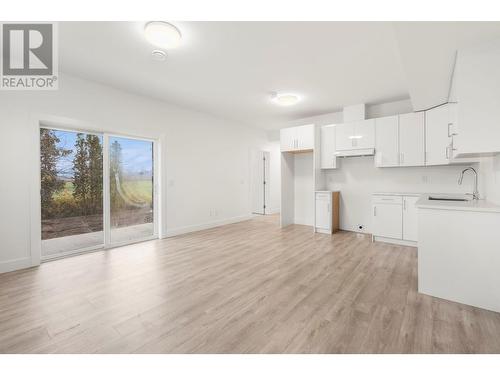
(15, 264)
(212, 224)
(395, 241)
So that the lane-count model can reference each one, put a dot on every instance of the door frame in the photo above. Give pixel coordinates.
(68, 124)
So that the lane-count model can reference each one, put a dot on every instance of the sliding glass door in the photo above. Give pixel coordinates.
(131, 189)
(96, 191)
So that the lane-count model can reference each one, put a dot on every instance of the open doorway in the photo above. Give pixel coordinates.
(97, 191)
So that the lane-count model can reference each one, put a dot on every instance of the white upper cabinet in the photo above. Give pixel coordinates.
(305, 137)
(439, 127)
(387, 141)
(343, 137)
(357, 135)
(364, 133)
(411, 139)
(478, 94)
(328, 158)
(298, 138)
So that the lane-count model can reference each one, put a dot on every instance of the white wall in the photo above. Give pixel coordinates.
(205, 160)
(303, 189)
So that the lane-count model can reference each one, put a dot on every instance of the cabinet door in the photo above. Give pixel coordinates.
(411, 139)
(323, 211)
(344, 137)
(410, 231)
(388, 220)
(438, 130)
(364, 132)
(305, 137)
(328, 158)
(287, 139)
(387, 141)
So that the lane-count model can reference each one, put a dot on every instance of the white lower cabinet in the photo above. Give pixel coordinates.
(326, 212)
(395, 218)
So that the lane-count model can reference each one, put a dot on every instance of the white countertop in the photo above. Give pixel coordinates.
(480, 205)
(407, 194)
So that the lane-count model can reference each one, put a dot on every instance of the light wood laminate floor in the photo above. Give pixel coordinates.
(249, 287)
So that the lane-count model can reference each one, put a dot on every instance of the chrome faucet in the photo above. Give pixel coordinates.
(475, 193)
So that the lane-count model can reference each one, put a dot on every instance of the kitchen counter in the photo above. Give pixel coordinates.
(399, 194)
(458, 251)
(480, 205)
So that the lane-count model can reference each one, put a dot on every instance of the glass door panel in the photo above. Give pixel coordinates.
(71, 172)
(131, 189)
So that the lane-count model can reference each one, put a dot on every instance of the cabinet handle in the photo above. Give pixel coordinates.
(404, 204)
(374, 210)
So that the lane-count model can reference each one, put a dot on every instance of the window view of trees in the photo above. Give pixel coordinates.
(71, 183)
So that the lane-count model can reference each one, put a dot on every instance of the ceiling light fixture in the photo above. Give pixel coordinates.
(158, 55)
(162, 34)
(285, 99)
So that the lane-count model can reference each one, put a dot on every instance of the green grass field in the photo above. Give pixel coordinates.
(137, 190)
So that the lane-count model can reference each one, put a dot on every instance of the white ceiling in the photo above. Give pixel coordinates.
(230, 68)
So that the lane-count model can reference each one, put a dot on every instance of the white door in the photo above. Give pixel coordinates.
(328, 158)
(344, 137)
(410, 231)
(387, 220)
(259, 181)
(411, 139)
(364, 134)
(438, 135)
(323, 211)
(305, 137)
(387, 141)
(288, 139)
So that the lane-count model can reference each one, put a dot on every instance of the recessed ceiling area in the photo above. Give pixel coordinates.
(230, 69)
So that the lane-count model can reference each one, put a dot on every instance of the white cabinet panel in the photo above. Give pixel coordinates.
(297, 138)
(438, 132)
(323, 211)
(328, 158)
(343, 137)
(410, 219)
(388, 220)
(305, 137)
(387, 141)
(364, 133)
(287, 139)
(411, 139)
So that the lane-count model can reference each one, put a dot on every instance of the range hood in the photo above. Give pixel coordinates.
(356, 152)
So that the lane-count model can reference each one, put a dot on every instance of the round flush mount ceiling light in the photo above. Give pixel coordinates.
(162, 34)
(285, 99)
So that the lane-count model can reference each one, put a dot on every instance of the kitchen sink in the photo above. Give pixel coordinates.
(448, 199)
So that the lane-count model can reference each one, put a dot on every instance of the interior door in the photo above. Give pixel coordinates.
(387, 142)
(411, 139)
(131, 189)
(260, 181)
